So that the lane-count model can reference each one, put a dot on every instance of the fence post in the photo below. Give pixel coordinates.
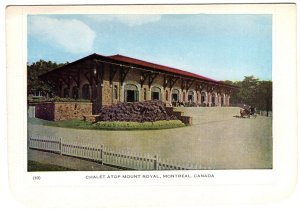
(101, 154)
(60, 145)
(155, 160)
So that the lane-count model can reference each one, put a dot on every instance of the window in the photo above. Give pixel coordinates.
(131, 93)
(183, 99)
(167, 95)
(155, 93)
(115, 92)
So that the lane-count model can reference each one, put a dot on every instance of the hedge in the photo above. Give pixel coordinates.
(113, 125)
(121, 125)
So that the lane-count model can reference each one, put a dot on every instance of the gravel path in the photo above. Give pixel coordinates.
(217, 140)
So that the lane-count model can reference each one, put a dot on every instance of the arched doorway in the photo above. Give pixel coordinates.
(191, 96)
(223, 100)
(213, 99)
(175, 95)
(75, 93)
(66, 92)
(203, 97)
(86, 91)
(155, 93)
(131, 93)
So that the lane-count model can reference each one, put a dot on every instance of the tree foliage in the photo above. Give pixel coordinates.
(253, 92)
(34, 70)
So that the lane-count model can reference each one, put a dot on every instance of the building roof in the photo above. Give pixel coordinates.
(159, 67)
(120, 59)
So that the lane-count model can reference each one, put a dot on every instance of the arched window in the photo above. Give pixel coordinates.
(155, 93)
(66, 92)
(131, 93)
(86, 91)
(75, 92)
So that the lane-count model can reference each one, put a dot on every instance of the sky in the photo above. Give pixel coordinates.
(218, 46)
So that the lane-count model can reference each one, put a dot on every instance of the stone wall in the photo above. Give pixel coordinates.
(187, 120)
(56, 111)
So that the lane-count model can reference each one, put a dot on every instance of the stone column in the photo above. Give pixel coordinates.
(79, 92)
(70, 92)
(219, 99)
(228, 100)
(149, 93)
(90, 92)
(121, 93)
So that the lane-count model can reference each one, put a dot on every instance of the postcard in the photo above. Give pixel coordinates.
(172, 101)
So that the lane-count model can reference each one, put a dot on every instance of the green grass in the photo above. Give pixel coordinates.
(34, 166)
(114, 125)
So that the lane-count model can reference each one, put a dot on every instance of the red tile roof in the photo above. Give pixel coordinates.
(159, 67)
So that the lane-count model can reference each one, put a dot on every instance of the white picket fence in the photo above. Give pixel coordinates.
(108, 156)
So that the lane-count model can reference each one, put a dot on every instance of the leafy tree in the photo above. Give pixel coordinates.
(34, 70)
(253, 92)
(264, 96)
(248, 89)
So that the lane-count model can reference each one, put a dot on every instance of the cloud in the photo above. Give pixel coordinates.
(72, 35)
(128, 19)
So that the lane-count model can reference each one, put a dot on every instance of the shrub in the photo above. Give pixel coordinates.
(59, 99)
(147, 111)
(121, 125)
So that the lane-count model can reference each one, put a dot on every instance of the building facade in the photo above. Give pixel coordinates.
(107, 80)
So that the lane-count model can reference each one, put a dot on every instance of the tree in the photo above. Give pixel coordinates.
(248, 89)
(264, 96)
(36, 69)
(253, 92)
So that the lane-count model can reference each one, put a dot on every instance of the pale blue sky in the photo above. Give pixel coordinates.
(217, 46)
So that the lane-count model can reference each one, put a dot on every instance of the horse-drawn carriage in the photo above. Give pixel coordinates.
(247, 112)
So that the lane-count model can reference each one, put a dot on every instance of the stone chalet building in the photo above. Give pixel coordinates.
(107, 80)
